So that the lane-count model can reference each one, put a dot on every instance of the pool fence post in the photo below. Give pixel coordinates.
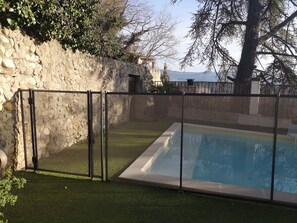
(181, 145)
(274, 147)
(106, 137)
(33, 128)
(90, 134)
(101, 135)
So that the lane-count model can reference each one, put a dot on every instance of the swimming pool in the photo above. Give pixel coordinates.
(221, 160)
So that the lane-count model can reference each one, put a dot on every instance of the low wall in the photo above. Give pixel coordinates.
(228, 118)
(26, 64)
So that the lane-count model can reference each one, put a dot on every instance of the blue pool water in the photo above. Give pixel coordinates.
(236, 159)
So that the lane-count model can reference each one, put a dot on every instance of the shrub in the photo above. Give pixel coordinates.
(77, 24)
(166, 87)
(7, 183)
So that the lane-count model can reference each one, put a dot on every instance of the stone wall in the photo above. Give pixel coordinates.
(26, 64)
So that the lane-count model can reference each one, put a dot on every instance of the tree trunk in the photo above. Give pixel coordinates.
(247, 61)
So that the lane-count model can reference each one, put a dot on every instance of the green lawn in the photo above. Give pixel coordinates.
(54, 199)
(126, 143)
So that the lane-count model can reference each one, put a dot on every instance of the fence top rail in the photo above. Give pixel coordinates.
(230, 95)
(160, 94)
(196, 94)
(23, 90)
(288, 96)
(60, 91)
(211, 82)
(144, 93)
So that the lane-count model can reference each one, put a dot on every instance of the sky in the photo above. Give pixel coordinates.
(182, 12)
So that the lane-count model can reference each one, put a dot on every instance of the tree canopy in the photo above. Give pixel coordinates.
(118, 29)
(264, 29)
(87, 25)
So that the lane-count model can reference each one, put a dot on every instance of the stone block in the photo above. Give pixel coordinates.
(32, 81)
(21, 52)
(6, 71)
(31, 57)
(38, 69)
(23, 84)
(8, 106)
(2, 100)
(46, 131)
(33, 48)
(8, 94)
(2, 79)
(4, 39)
(8, 63)
(32, 65)
(9, 52)
(29, 71)
(2, 50)
(11, 41)
(5, 31)
(27, 41)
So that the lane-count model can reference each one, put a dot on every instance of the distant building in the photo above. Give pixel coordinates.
(165, 76)
(150, 62)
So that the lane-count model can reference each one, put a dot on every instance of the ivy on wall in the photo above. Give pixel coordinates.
(77, 24)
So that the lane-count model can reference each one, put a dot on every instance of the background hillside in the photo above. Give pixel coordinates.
(197, 76)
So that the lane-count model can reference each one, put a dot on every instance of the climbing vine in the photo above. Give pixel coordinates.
(78, 24)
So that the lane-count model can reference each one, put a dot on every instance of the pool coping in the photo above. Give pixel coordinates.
(136, 171)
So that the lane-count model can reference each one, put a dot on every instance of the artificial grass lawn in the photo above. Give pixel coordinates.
(126, 143)
(56, 199)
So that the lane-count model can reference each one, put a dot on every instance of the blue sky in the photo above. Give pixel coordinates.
(182, 12)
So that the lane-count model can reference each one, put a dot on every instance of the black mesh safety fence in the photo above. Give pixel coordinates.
(235, 145)
(61, 130)
(65, 133)
(285, 177)
(97, 134)
(140, 126)
(228, 147)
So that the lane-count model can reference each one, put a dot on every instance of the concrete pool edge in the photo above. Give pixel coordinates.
(137, 171)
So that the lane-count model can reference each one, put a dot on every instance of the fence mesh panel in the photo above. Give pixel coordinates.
(97, 134)
(227, 148)
(285, 187)
(61, 129)
(136, 124)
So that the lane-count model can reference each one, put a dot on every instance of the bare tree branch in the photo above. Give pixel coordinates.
(149, 33)
(278, 54)
(230, 23)
(278, 27)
